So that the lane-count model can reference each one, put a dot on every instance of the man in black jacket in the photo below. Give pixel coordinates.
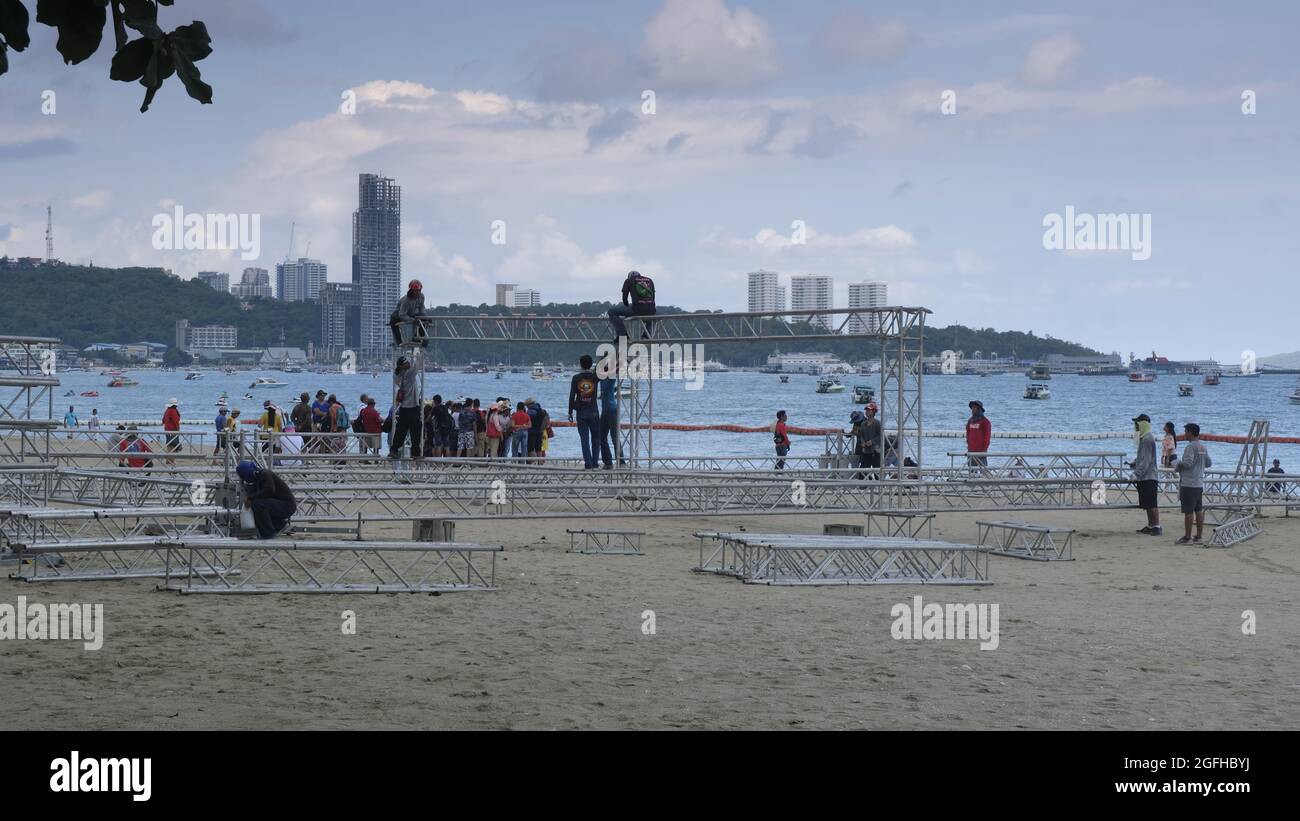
(269, 497)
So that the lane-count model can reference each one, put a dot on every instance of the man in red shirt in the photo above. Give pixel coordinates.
(172, 424)
(132, 443)
(372, 426)
(979, 431)
(781, 437)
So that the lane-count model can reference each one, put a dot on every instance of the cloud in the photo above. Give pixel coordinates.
(5, 231)
(702, 46)
(581, 65)
(826, 138)
(542, 252)
(1051, 61)
(882, 239)
(93, 200)
(675, 142)
(247, 23)
(35, 149)
(614, 125)
(851, 37)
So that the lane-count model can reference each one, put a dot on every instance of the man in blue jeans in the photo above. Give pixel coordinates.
(582, 401)
(610, 446)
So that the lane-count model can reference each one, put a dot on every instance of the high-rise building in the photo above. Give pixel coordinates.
(506, 294)
(377, 259)
(340, 318)
(812, 292)
(299, 281)
(255, 282)
(765, 291)
(526, 298)
(867, 295)
(205, 336)
(214, 280)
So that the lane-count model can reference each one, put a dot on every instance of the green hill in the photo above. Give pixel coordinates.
(82, 305)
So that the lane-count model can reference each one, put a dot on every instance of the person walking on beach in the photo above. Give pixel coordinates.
(583, 402)
(521, 424)
(404, 320)
(269, 497)
(610, 446)
(408, 421)
(371, 427)
(979, 433)
(1168, 446)
(1144, 475)
(869, 435)
(171, 423)
(638, 300)
(781, 438)
(70, 420)
(1191, 482)
(92, 424)
(220, 424)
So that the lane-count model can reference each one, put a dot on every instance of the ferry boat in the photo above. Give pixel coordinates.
(1037, 391)
(829, 384)
(862, 394)
(1239, 374)
(1142, 376)
(123, 382)
(1184, 389)
(1212, 378)
(267, 382)
(539, 372)
(713, 366)
(1039, 372)
(190, 376)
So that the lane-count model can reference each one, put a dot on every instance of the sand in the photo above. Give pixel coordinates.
(1136, 633)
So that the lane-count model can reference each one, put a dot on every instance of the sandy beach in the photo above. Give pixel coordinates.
(1136, 633)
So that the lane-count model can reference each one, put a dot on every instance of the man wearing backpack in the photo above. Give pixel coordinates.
(638, 300)
(342, 424)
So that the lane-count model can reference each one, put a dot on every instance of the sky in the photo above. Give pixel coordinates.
(922, 144)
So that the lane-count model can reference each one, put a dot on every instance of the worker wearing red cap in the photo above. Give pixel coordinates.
(408, 309)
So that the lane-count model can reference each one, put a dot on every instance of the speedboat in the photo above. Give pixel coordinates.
(862, 394)
(829, 384)
(1036, 391)
(539, 372)
(267, 382)
(1141, 376)
(1184, 389)
(190, 376)
(1212, 378)
(123, 382)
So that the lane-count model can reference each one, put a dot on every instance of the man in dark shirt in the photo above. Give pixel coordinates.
(638, 300)
(269, 497)
(582, 401)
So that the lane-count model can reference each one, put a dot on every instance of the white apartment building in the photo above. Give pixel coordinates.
(813, 292)
(867, 294)
(765, 291)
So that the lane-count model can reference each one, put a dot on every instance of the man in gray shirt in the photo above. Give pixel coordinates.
(1144, 474)
(408, 411)
(1191, 480)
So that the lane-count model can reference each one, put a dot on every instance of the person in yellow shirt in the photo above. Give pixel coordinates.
(270, 422)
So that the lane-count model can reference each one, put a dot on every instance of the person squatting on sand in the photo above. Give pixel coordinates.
(269, 497)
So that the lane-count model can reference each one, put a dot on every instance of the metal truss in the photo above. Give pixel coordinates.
(606, 542)
(1235, 525)
(1026, 541)
(794, 559)
(289, 566)
(899, 525)
(99, 560)
(29, 528)
(26, 412)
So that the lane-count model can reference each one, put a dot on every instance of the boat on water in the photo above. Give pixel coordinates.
(1240, 374)
(713, 366)
(190, 376)
(291, 369)
(1039, 372)
(228, 371)
(476, 367)
(1184, 389)
(539, 372)
(123, 382)
(829, 384)
(1295, 396)
(862, 394)
(1212, 378)
(1141, 376)
(500, 374)
(90, 393)
(784, 378)
(1035, 390)
(267, 382)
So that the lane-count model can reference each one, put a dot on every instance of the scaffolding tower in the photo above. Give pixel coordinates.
(28, 377)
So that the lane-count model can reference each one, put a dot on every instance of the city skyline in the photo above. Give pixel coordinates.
(799, 151)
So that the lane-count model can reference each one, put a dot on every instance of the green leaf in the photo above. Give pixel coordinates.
(193, 40)
(13, 24)
(130, 61)
(80, 24)
(140, 9)
(193, 81)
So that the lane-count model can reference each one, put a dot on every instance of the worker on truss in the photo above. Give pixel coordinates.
(269, 498)
(405, 319)
(638, 300)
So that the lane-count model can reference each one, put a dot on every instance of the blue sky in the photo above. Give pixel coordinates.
(766, 113)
